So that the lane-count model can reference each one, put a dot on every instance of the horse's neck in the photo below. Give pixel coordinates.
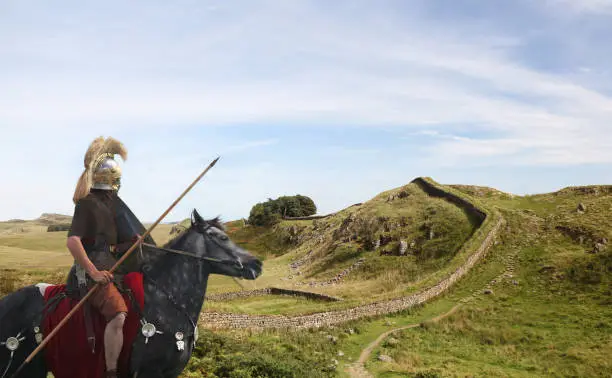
(182, 278)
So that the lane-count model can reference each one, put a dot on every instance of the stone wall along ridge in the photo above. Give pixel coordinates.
(475, 248)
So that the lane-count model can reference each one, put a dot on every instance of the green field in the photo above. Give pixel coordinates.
(546, 312)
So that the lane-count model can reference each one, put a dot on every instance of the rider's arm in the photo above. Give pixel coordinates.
(83, 222)
(75, 246)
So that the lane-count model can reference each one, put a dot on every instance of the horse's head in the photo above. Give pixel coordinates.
(207, 240)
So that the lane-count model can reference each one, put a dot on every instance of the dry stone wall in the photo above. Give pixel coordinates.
(482, 241)
(271, 291)
(435, 191)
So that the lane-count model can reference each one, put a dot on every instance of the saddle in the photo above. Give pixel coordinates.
(73, 352)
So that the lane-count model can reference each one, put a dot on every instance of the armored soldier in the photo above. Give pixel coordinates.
(100, 222)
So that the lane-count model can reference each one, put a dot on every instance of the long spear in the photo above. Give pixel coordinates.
(119, 262)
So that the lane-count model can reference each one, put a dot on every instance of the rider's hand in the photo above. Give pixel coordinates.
(101, 277)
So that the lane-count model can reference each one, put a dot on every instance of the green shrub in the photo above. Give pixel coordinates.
(262, 215)
(270, 212)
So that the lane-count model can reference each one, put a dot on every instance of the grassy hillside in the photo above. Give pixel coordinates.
(301, 254)
(549, 315)
(537, 306)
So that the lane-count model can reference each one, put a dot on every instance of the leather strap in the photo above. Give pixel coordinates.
(82, 284)
(91, 337)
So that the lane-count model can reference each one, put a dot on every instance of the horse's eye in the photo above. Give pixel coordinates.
(223, 237)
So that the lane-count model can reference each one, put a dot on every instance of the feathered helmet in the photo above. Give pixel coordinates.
(101, 169)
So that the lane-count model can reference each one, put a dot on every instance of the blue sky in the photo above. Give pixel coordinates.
(336, 100)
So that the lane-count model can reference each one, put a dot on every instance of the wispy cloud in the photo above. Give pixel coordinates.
(512, 84)
(583, 6)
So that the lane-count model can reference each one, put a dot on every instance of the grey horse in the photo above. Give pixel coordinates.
(174, 281)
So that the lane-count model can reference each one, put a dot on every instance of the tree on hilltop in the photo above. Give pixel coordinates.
(271, 211)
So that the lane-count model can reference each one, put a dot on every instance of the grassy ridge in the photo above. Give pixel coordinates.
(432, 229)
(550, 318)
(541, 322)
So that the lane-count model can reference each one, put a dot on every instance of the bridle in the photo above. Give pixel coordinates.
(212, 259)
(236, 261)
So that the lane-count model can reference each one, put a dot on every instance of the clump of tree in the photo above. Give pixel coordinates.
(271, 211)
(58, 227)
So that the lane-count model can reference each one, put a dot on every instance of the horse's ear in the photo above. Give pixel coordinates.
(197, 218)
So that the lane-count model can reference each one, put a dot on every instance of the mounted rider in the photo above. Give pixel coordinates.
(102, 229)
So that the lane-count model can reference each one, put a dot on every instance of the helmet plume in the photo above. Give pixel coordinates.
(97, 150)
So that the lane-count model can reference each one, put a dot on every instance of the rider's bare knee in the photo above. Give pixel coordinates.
(118, 321)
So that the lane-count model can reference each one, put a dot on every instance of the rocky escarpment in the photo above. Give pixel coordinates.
(313, 217)
(472, 251)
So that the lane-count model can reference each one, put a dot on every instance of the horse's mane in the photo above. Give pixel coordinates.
(177, 237)
(215, 222)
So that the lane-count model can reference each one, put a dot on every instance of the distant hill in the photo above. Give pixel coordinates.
(51, 218)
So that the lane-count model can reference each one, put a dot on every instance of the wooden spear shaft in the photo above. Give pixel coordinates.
(119, 262)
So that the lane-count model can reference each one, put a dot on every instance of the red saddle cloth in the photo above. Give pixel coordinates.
(68, 354)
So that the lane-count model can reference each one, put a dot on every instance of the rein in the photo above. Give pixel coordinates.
(175, 251)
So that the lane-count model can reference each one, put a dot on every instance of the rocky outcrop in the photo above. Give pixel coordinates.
(338, 277)
(473, 250)
(400, 195)
(302, 261)
(312, 217)
(593, 190)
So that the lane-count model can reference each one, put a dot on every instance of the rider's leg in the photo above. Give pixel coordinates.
(112, 306)
(113, 341)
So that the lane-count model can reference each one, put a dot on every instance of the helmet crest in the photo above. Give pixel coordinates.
(101, 169)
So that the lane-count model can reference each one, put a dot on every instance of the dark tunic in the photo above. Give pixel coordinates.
(94, 222)
(94, 218)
